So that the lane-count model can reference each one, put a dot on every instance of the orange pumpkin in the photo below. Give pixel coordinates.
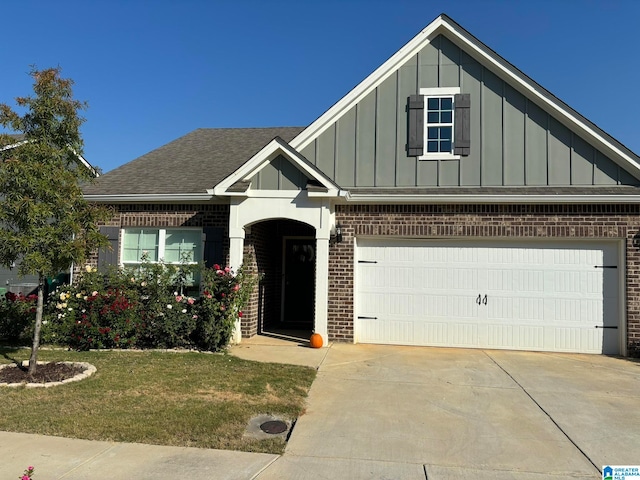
(315, 341)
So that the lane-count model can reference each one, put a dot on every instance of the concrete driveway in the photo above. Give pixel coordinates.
(389, 412)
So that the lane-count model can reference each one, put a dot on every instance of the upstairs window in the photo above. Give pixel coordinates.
(438, 124)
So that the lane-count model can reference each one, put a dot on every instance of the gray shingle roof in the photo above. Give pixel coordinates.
(190, 164)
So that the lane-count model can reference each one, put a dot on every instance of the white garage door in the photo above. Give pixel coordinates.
(544, 296)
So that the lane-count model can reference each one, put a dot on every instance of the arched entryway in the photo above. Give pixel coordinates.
(260, 230)
(283, 253)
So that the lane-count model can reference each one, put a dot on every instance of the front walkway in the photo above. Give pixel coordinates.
(279, 348)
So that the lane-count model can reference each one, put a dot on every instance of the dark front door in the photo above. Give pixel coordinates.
(299, 282)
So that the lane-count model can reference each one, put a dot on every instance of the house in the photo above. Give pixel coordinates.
(10, 280)
(447, 200)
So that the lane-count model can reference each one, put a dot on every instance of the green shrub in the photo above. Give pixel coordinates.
(17, 317)
(98, 311)
(166, 317)
(224, 296)
(145, 307)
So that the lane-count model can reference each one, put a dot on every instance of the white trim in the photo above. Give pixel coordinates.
(149, 197)
(284, 193)
(80, 157)
(439, 91)
(356, 282)
(438, 155)
(261, 159)
(13, 145)
(622, 296)
(532, 89)
(244, 212)
(162, 233)
(487, 199)
(491, 60)
(384, 71)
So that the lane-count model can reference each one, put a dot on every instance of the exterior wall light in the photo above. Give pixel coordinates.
(635, 241)
(336, 234)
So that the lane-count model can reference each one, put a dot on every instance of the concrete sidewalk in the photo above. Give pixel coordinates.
(280, 349)
(69, 459)
(389, 412)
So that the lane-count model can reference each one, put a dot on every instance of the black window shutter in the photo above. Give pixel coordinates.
(109, 256)
(462, 122)
(415, 131)
(213, 246)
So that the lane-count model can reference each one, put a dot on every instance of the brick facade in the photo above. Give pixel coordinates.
(576, 222)
(263, 244)
(168, 215)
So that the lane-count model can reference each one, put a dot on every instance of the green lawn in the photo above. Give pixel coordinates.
(163, 398)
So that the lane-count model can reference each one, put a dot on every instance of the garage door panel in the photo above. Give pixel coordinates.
(436, 332)
(433, 278)
(543, 296)
(500, 336)
(463, 334)
(504, 309)
(401, 305)
(435, 307)
(530, 337)
(572, 339)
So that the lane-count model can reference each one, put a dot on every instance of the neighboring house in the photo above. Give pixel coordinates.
(447, 200)
(10, 280)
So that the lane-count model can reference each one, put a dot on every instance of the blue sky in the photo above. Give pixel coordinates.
(153, 71)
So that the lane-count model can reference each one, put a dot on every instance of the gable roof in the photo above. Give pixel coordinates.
(270, 151)
(443, 25)
(191, 164)
(19, 140)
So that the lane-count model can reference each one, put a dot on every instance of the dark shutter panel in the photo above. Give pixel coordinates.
(415, 131)
(462, 134)
(109, 255)
(213, 246)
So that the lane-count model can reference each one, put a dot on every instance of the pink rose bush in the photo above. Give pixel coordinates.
(149, 306)
(28, 474)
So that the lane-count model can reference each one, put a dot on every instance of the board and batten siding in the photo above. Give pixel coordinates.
(514, 142)
(279, 174)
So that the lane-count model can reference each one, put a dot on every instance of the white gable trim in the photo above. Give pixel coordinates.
(276, 147)
(80, 157)
(365, 87)
(489, 59)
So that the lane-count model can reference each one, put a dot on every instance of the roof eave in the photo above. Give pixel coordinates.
(492, 199)
(149, 197)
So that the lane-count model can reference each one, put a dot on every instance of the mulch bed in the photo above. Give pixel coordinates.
(45, 373)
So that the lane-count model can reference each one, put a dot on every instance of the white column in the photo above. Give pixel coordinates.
(236, 251)
(323, 232)
(322, 287)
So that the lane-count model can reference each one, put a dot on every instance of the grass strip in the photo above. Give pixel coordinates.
(186, 399)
